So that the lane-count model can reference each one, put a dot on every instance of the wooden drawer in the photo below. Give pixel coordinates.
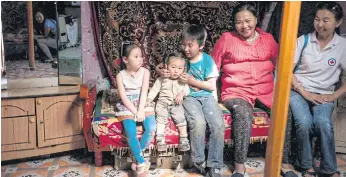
(17, 107)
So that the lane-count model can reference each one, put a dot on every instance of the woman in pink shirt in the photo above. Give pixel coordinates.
(247, 58)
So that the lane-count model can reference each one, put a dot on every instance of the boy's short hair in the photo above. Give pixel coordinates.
(195, 32)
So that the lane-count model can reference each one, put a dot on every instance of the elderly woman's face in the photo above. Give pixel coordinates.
(245, 23)
(39, 17)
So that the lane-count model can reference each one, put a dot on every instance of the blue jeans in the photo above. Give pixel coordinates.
(309, 120)
(202, 112)
(137, 147)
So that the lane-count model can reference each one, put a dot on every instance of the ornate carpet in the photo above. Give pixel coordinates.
(155, 27)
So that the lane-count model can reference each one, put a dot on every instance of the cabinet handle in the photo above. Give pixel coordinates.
(41, 122)
(39, 102)
(32, 120)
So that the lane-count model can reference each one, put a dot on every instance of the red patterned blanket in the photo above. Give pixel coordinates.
(110, 131)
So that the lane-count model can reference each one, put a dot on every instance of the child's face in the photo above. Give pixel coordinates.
(176, 67)
(135, 59)
(191, 48)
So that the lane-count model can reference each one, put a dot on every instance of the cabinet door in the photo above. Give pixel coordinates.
(18, 133)
(340, 121)
(59, 120)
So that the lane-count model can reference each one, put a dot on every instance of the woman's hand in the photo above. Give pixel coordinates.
(140, 115)
(314, 98)
(329, 97)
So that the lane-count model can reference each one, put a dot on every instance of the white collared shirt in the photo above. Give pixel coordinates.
(320, 70)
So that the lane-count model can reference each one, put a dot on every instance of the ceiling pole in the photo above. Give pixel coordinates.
(31, 36)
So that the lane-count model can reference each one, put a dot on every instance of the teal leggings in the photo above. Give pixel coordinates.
(136, 146)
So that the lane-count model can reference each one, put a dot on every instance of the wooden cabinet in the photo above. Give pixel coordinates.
(40, 126)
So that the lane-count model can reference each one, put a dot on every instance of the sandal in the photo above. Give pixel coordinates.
(142, 170)
(236, 174)
(288, 174)
(337, 172)
(310, 173)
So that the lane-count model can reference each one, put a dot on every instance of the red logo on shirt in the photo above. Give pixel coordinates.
(331, 62)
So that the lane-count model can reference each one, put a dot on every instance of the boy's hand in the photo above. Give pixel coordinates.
(191, 78)
(165, 73)
(140, 115)
(183, 78)
(179, 99)
(162, 71)
(195, 88)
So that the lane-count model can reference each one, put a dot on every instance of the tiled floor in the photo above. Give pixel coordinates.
(19, 69)
(76, 164)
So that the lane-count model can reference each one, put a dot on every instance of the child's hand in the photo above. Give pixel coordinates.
(179, 99)
(140, 115)
(183, 78)
(149, 103)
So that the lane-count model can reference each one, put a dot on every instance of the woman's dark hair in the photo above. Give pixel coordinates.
(332, 7)
(39, 27)
(244, 6)
(125, 53)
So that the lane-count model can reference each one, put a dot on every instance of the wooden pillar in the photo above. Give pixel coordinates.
(31, 36)
(289, 30)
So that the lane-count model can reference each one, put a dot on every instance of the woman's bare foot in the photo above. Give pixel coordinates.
(239, 168)
(286, 167)
(287, 170)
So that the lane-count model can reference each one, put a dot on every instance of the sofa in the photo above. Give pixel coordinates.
(104, 132)
(155, 27)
